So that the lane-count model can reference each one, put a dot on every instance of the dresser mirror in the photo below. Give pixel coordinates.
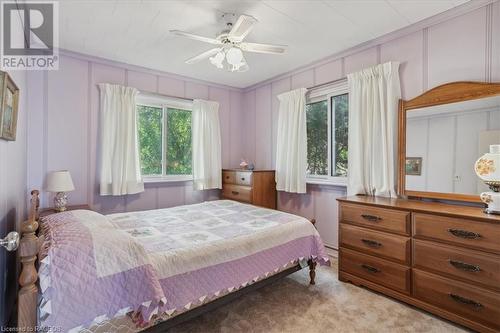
(441, 134)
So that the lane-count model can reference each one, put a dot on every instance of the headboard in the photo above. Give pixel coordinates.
(28, 252)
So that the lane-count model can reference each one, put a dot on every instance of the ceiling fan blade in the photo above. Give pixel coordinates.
(241, 28)
(204, 55)
(263, 48)
(196, 37)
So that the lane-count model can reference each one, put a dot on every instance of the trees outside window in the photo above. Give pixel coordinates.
(164, 135)
(327, 136)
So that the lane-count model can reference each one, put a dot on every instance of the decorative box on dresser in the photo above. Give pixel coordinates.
(256, 187)
(439, 257)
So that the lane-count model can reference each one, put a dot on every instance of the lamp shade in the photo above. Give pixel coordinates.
(59, 181)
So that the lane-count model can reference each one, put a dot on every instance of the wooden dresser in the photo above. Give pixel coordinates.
(442, 258)
(256, 187)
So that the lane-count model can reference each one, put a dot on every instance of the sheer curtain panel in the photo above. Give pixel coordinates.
(207, 160)
(291, 150)
(374, 95)
(120, 165)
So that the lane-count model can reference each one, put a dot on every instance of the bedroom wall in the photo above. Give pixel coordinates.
(13, 197)
(456, 145)
(63, 121)
(466, 47)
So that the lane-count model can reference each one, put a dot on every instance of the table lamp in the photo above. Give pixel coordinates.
(60, 182)
(487, 168)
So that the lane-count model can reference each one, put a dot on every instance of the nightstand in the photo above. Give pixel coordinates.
(49, 211)
(256, 187)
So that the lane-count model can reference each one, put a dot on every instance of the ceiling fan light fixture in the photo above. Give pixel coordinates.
(234, 56)
(229, 53)
(242, 66)
(218, 59)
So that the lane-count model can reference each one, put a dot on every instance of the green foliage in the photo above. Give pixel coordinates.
(317, 138)
(179, 152)
(151, 143)
(149, 127)
(340, 105)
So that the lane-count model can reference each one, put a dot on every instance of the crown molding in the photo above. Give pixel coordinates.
(126, 66)
(418, 26)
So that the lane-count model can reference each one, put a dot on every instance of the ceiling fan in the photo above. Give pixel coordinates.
(230, 45)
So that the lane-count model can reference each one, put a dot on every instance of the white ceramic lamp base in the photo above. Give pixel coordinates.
(492, 200)
(487, 168)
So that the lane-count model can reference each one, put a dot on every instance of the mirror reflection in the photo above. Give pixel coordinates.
(444, 141)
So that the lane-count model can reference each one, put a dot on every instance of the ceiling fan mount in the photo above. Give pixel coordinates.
(230, 45)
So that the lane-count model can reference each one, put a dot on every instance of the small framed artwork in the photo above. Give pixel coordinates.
(414, 166)
(9, 103)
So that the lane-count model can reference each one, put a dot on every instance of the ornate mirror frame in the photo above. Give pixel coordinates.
(447, 93)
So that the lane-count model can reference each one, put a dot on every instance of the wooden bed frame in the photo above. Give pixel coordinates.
(27, 304)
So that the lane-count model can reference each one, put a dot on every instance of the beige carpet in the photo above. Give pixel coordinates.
(291, 305)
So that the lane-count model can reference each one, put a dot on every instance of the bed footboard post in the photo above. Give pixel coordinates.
(28, 251)
(312, 272)
(312, 264)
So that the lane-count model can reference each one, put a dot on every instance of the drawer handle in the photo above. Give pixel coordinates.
(371, 243)
(464, 266)
(464, 233)
(463, 300)
(370, 269)
(371, 218)
(235, 192)
(227, 177)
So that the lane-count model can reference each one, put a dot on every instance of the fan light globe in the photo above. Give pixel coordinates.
(234, 56)
(217, 59)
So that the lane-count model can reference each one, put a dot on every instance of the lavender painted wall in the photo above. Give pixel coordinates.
(64, 105)
(63, 120)
(13, 198)
(466, 47)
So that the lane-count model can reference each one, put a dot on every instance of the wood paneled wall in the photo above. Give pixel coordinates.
(64, 127)
(466, 47)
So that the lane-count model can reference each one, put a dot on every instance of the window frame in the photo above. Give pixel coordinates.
(327, 93)
(164, 103)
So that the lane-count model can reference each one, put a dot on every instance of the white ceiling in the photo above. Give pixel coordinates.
(137, 32)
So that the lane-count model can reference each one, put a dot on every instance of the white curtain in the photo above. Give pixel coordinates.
(120, 166)
(374, 94)
(207, 161)
(291, 151)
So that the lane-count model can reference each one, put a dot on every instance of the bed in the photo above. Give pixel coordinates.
(152, 269)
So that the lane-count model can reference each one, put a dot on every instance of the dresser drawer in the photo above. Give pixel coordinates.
(460, 298)
(377, 218)
(237, 192)
(229, 177)
(375, 242)
(243, 178)
(377, 270)
(475, 266)
(480, 235)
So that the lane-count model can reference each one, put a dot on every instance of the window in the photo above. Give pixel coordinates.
(164, 133)
(317, 138)
(327, 113)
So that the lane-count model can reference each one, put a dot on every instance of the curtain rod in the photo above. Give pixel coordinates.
(326, 83)
(151, 94)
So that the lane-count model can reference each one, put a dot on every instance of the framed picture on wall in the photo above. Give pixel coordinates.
(9, 103)
(414, 166)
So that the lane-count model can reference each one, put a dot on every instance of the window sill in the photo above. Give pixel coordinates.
(166, 179)
(327, 182)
